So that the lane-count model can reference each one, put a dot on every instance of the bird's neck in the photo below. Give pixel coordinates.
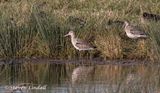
(72, 36)
(126, 25)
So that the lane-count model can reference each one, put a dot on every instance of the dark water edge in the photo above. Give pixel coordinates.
(80, 76)
(97, 61)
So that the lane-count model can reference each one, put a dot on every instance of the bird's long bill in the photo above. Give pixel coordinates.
(123, 26)
(66, 35)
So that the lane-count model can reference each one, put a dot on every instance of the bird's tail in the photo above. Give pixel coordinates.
(144, 36)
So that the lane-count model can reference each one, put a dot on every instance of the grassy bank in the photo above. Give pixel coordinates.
(36, 28)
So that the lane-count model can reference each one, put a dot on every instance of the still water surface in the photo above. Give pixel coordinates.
(75, 77)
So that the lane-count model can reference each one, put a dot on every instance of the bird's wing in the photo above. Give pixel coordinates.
(79, 41)
(137, 31)
(82, 44)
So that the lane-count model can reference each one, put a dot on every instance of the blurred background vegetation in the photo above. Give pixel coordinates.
(35, 28)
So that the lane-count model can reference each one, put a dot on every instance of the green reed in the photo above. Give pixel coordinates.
(155, 41)
(37, 28)
(15, 41)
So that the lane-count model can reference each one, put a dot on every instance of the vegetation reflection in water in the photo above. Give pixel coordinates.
(72, 78)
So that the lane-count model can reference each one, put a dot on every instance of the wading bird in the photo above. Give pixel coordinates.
(133, 31)
(78, 43)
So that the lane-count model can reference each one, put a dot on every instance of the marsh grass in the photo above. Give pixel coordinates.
(154, 33)
(36, 28)
(113, 41)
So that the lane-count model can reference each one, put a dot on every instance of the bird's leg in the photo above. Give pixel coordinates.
(76, 56)
(89, 55)
(80, 55)
(86, 54)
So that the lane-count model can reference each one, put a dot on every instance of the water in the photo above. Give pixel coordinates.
(79, 77)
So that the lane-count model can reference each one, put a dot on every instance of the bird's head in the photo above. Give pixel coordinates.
(70, 33)
(126, 23)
